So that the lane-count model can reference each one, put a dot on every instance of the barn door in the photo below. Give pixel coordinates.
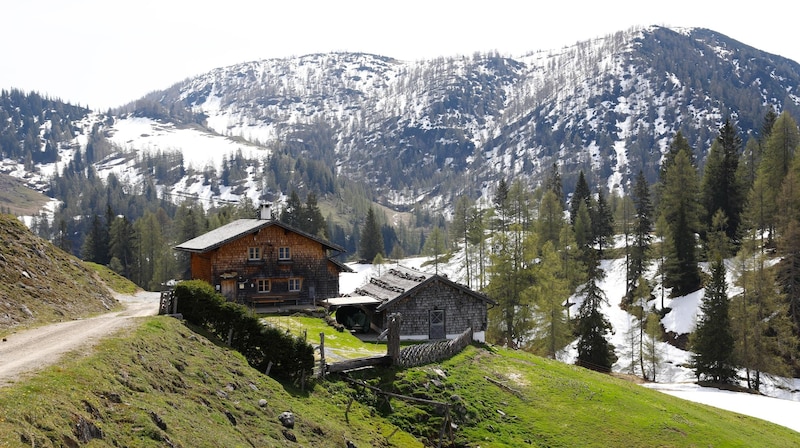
(437, 330)
(228, 289)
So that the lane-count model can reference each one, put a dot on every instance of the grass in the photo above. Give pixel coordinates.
(18, 199)
(46, 284)
(338, 345)
(116, 282)
(510, 398)
(166, 385)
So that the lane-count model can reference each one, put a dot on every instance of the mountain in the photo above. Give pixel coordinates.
(412, 136)
(449, 126)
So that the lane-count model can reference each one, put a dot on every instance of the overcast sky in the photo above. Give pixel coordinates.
(106, 53)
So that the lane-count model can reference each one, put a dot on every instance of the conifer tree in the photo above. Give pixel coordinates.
(761, 325)
(581, 195)
(123, 244)
(371, 239)
(652, 353)
(553, 183)
(500, 200)
(548, 292)
(594, 350)
(681, 210)
(775, 163)
(293, 210)
(720, 188)
(312, 220)
(510, 274)
(638, 251)
(602, 223)
(551, 218)
(460, 227)
(712, 340)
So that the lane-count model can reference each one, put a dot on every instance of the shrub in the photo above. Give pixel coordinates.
(201, 305)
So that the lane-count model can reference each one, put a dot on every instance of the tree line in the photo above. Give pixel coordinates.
(737, 214)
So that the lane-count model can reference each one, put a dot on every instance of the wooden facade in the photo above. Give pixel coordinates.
(431, 306)
(263, 262)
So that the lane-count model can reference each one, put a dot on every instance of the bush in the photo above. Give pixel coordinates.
(201, 305)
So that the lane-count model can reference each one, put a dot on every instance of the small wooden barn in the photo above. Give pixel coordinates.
(431, 306)
(264, 262)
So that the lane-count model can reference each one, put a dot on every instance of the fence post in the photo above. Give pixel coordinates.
(393, 341)
(322, 355)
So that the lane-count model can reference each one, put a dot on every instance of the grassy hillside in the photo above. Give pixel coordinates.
(503, 398)
(165, 385)
(18, 198)
(40, 283)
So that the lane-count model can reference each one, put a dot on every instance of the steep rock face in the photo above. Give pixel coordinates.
(608, 106)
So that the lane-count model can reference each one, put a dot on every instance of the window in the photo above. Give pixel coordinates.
(263, 285)
(254, 253)
(295, 284)
(284, 253)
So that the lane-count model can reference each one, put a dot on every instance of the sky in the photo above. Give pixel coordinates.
(105, 53)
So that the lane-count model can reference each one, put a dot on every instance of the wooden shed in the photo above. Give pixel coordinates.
(264, 262)
(431, 306)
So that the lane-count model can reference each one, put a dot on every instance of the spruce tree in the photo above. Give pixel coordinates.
(371, 238)
(602, 223)
(594, 350)
(681, 210)
(712, 340)
(312, 220)
(292, 213)
(581, 195)
(638, 251)
(500, 200)
(720, 188)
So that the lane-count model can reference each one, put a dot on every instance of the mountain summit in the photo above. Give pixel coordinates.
(424, 132)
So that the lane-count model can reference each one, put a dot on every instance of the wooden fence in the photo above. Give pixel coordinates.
(417, 355)
(411, 356)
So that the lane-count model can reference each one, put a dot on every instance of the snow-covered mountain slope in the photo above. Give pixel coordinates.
(608, 106)
(422, 133)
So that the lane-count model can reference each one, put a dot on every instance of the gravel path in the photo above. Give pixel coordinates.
(29, 351)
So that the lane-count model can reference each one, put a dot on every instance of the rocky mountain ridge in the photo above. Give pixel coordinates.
(425, 132)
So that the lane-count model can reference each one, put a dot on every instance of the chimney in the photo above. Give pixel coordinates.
(266, 211)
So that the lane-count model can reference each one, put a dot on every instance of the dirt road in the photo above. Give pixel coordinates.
(28, 351)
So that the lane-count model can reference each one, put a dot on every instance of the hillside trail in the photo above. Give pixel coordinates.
(29, 351)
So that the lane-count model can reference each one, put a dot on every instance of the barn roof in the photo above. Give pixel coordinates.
(239, 228)
(399, 282)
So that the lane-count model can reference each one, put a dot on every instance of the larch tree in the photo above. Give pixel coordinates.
(549, 291)
(550, 219)
(459, 230)
(764, 339)
(510, 275)
(775, 163)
